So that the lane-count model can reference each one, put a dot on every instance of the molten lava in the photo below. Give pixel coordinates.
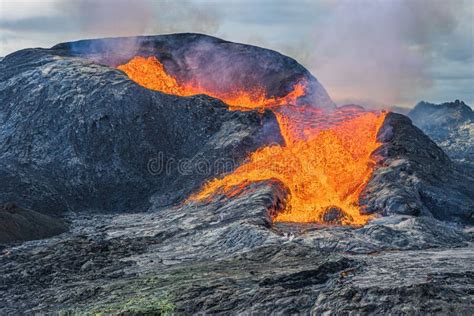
(325, 162)
(329, 169)
(150, 73)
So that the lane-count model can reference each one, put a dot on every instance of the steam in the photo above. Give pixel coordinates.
(123, 18)
(375, 53)
(107, 18)
(380, 51)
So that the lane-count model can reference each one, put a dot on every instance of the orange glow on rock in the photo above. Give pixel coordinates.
(325, 162)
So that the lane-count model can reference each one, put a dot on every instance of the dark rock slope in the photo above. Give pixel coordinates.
(17, 225)
(450, 125)
(415, 177)
(76, 135)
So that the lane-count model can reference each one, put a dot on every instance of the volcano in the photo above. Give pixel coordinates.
(323, 167)
(201, 175)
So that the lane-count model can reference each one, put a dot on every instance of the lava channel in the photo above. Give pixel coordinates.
(325, 162)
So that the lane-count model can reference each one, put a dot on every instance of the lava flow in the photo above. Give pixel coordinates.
(150, 73)
(325, 162)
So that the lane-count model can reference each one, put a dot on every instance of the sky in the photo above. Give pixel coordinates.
(377, 53)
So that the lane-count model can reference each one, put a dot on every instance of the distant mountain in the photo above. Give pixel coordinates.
(450, 125)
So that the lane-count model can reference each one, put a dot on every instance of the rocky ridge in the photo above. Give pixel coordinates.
(415, 177)
(450, 125)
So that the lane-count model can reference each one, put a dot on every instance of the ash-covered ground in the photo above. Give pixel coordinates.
(79, 143)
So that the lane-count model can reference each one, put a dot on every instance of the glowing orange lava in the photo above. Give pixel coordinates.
(150, 73)
(325, 162)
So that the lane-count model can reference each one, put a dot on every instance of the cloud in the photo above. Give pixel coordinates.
(108, 17)
(37, 24)
(59, 20)
(19, 9)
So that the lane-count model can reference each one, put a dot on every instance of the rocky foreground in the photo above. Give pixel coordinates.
(227, 257)
(80, 152)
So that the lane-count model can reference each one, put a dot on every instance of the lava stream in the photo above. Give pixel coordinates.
(150, 73)
(325, 162)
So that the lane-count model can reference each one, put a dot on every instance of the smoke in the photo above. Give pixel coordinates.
(378, 53)
(119, 18)
(370, 52)
(110, 18)
(139, 17)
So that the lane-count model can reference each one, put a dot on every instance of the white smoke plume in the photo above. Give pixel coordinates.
(381, 51)
(377, 53)
(100, 18)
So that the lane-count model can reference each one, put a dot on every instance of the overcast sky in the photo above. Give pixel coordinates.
(382, 53)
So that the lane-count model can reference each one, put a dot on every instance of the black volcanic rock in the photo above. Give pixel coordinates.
(77, 135)
(333, 215)
(17, 224)
(226, 256)
(415, 177)
(450, 125)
